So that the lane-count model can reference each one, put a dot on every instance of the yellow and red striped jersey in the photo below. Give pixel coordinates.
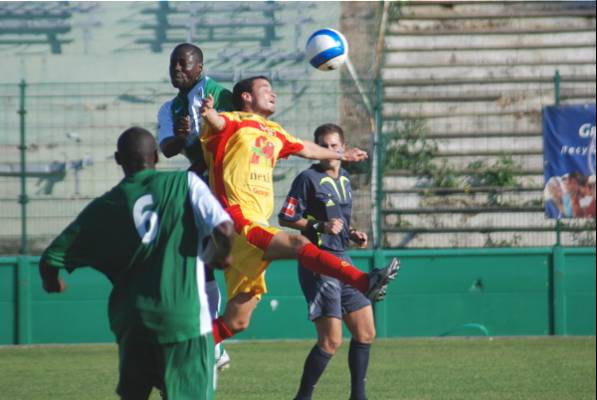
(241, 160)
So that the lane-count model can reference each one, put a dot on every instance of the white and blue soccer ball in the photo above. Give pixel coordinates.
(326, 49)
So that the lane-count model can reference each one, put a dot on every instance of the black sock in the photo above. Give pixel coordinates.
(315, 364)
(358, 361)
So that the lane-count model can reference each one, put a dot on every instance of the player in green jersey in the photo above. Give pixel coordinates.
(150, 235)
(179, 129)
(179, 119)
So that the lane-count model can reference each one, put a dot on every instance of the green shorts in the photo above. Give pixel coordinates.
(181, 371)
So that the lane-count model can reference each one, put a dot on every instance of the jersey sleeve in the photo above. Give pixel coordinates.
(225, 101)
(290, 144)
(222, 96)
(77, 245)
(297, 199)
(206, 209)
(165, 123)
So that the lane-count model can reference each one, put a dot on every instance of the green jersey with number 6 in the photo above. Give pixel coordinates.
(146, 235)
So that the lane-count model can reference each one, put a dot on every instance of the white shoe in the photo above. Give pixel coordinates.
(223, 361)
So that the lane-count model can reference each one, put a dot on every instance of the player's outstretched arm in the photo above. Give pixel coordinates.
(210, 115)
(314, 151)
(51, 281)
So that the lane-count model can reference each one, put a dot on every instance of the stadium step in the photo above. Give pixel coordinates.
(490, 57)
(471, 9)
(409, 41)
(406, 180)
(474, 77)
(439, 75)
(496, 238)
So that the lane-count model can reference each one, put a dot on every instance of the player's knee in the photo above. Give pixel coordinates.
(239, 325)
(298, 242)
(330, 345)
(366, 335)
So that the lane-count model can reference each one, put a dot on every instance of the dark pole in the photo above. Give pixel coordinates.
(23, 199)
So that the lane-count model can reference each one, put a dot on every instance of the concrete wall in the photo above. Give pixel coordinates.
(477, 76)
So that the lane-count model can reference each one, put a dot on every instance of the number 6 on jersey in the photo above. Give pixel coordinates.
(146, 222)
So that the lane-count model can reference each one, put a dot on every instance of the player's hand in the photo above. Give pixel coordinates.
(208, 105)
(54, 286)
(182, 126)
(334, 226)
(354, 155)
(360, 238)
(219, 245)
(210, 114)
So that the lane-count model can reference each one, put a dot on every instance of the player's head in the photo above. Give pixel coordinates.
(327, 129)
(330, 136)
(255, 95)
(186, 65)
(136, 150)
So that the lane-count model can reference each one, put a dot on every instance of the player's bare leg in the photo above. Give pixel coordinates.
(237, 316)
(287, 246)
(239, 309)
(361, 325)
(329, 334)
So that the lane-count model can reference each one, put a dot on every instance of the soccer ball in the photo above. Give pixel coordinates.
(326, 49)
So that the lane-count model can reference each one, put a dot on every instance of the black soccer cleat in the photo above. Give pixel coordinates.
(379, 279)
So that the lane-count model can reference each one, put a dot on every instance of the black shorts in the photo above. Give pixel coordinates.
(328, 297)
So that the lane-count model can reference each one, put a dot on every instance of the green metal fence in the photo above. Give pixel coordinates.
(493, 292)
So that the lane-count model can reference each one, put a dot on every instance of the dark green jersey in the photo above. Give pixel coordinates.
(145, 236)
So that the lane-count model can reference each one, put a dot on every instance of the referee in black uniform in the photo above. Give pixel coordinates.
(319, 204)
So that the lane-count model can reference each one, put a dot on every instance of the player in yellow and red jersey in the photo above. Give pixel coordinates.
(241, 150)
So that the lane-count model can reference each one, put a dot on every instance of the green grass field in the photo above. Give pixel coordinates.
(558, 368)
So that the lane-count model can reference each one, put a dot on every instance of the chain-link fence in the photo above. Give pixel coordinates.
(69, 136)
(462, 166)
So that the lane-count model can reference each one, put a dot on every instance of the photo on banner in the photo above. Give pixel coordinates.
(569, 161)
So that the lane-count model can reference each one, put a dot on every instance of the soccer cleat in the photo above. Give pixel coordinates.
(379, 280)
(223, 361)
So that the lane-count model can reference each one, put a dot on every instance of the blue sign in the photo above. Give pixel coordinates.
(569, 161)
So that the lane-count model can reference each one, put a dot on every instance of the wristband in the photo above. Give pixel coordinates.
(315, 226)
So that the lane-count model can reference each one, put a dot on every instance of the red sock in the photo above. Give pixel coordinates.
(220, 330)
(321, 262)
